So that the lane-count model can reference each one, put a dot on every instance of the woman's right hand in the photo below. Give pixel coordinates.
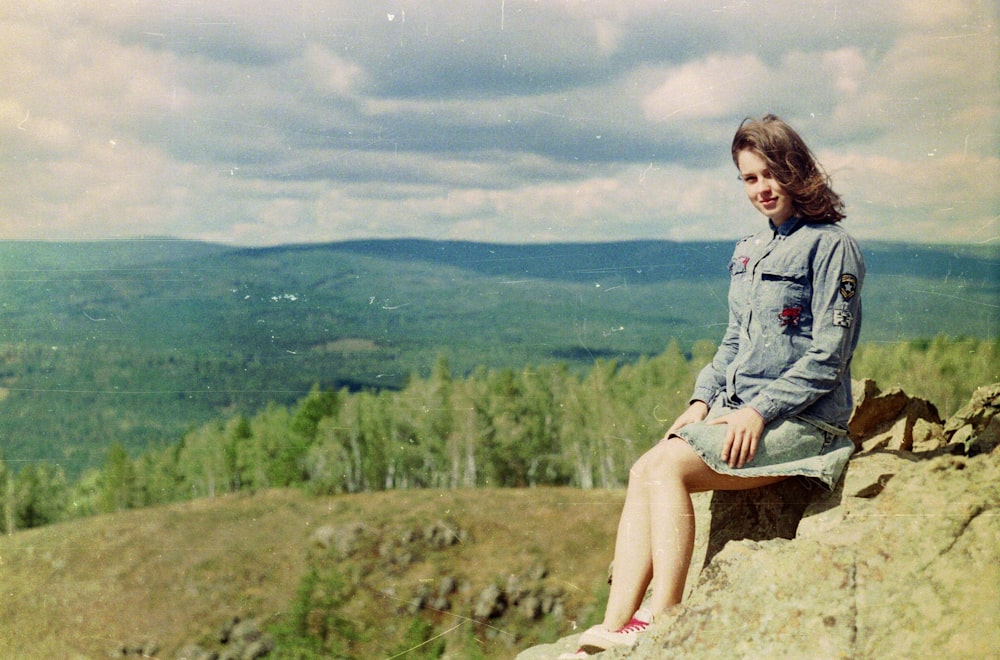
(696, 412)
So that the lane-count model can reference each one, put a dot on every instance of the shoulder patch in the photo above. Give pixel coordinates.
(843, 318)
(848, 286)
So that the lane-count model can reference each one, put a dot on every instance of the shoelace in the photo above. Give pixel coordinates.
(635, 625)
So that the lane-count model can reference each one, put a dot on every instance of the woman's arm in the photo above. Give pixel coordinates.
(712, 378)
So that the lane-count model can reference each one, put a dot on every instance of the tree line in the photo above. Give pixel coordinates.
(543, 425)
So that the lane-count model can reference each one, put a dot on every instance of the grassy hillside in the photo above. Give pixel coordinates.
(175, 574)
(134, 342)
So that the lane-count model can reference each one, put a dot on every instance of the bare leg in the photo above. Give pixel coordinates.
(633, 561)
(656, 533)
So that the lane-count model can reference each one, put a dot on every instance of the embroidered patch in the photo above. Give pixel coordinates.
(790, 317)
(842, 318)
(848, 286)
(738, 265)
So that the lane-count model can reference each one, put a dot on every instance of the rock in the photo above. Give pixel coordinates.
(258, 649)
(147, 649)
(980, 409)
(226, 629)
(764, 513)
(989, 438)
(195, 652)
(867, 474)
(245, 632)
(928, 436)
(974, 426)
(515, 589)
(241, 639)
(887, 420)
(490, 603)
(418, 601)
(344, 539)
(901, 560)
(892, 581)
(873, 409)
(551, 651)
(440, 604)
(441, 535)
(448, 586)
(323, 537)
(530, 607)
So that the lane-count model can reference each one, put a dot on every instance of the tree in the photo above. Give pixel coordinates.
(118, 481)
(40, 494)
(238, 433)
(7, 502)
(522, 428)
(202, 463)
(317, 405)
(328, 462)
(158, 478)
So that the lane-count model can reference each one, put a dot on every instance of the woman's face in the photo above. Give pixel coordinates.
(765, 193)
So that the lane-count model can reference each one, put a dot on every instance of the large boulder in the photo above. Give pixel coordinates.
(911, 573)
(901, 560)
(893, 420)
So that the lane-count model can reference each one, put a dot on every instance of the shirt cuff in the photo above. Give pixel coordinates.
(702, 394)
(764, 406)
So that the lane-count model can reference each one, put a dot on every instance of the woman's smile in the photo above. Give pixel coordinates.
(764, 191)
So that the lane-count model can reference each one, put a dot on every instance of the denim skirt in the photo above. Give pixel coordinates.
(789, 447)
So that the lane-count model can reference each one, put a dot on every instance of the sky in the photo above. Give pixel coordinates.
(515, 121)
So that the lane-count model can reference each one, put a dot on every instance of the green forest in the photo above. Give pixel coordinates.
(542, 425)
(136, 343)
(135, 373)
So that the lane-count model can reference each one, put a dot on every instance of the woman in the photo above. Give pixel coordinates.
(775, 400)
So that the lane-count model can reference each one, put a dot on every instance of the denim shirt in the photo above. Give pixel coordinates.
(794, 321)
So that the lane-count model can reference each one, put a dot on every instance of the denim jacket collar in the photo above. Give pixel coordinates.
(787, 227)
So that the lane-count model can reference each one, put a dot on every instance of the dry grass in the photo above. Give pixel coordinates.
(173, 574)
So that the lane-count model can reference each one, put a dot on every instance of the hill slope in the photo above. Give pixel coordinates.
(176, 574)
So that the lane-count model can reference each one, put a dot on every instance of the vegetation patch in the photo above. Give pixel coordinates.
(348, 345)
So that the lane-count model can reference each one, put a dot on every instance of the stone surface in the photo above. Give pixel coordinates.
(976, 426)
(912, 573)
(891, 419)
(902, 560)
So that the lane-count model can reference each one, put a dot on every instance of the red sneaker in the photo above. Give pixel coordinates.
(598, 638)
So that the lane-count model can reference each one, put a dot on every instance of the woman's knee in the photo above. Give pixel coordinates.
(662, 460)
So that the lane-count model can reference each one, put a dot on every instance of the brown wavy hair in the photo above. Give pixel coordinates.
(793, 165)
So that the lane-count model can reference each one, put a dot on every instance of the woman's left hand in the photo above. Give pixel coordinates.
(745, 428)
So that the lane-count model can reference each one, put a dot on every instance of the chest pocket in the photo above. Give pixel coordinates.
(784, 295)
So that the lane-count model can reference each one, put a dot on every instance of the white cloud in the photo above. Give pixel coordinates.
(715, 87)
(847, 68)
(328, 73)
(258, 122)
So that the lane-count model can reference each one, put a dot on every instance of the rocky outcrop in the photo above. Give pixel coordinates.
(494, 603)
(238, 640)
(893, 420)
(976, 427)
(901, 561)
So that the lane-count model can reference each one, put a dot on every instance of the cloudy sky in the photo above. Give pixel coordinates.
(253, 122)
